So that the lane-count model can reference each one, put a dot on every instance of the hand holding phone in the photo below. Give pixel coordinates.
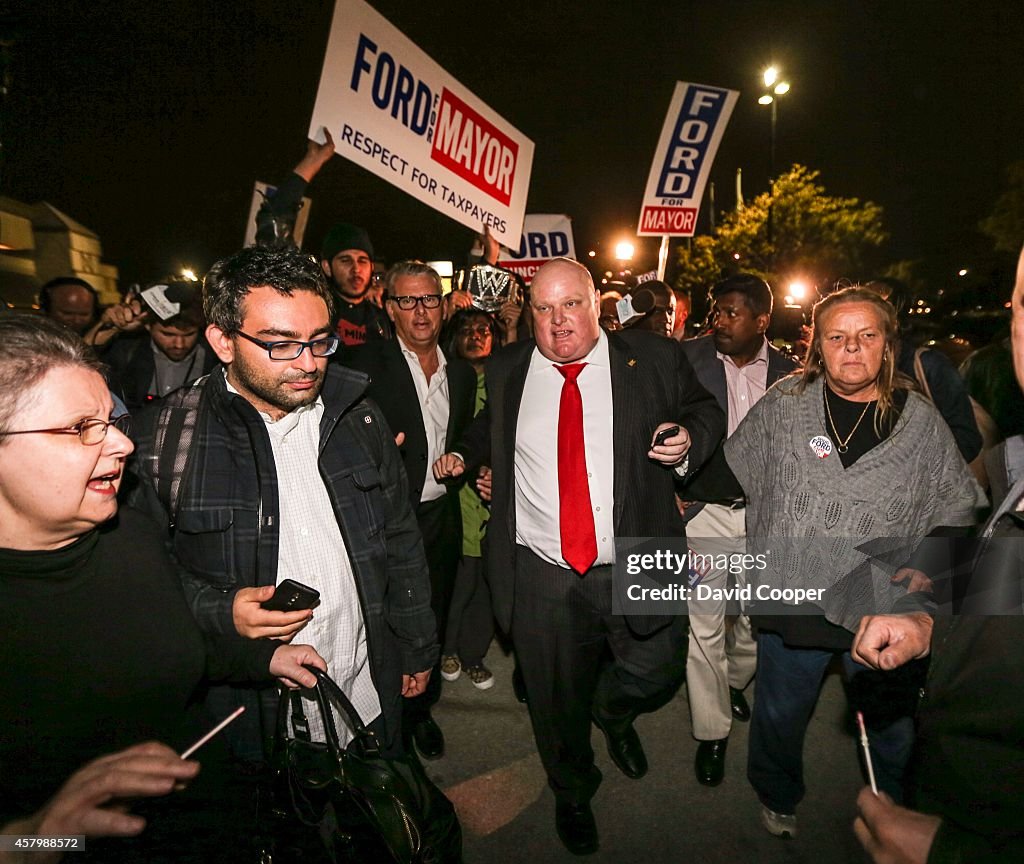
(665, 434)
(292, 596)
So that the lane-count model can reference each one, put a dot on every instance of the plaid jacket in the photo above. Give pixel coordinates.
(226, 533)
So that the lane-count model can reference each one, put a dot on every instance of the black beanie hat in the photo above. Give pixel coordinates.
(345, 236)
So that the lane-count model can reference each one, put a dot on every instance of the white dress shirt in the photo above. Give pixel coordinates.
(536, 455)
(744, 384)
(435, 408)
(312, 551)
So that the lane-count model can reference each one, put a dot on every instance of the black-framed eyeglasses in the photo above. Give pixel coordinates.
(429, 301)
(289, 349)
(90, 432)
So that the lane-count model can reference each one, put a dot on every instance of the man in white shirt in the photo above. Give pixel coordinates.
(428, 397)
(569, 432)
(736, 364)
(290, 473)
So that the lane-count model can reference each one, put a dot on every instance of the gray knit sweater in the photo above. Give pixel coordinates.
(845, 530)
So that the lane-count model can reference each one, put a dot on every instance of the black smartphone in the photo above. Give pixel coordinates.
(290, 596)
(665, 434)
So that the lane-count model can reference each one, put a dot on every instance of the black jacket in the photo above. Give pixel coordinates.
(714, 482)
(968, 764)
(132, 367)
(392, 388)
(226, 535)
(652, 382)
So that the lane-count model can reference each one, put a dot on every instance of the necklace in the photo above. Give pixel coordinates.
(841, 445)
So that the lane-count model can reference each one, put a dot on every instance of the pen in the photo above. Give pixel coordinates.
(867, 751)
(237, 713)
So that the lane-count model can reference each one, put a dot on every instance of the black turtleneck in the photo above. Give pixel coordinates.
(100, 651)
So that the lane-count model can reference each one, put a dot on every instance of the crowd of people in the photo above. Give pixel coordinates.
(433, 469)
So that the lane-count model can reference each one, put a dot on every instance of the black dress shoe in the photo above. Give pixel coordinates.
(710, 762)
(624, 746)
(738, 705)
(428, 738)
(518, 685)
(576, 827)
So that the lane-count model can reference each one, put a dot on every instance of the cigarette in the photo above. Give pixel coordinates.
(866, 749)
(233, 716)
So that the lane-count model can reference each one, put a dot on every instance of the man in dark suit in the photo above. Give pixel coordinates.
(428, 397)
(736, 364)
(569, 432)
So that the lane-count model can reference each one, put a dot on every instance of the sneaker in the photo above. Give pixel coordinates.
(480, 676)
(451, 668)
(779, 824)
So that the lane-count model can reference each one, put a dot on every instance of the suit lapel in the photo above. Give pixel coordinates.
(405, 400)
(625, 375)
(511, 400)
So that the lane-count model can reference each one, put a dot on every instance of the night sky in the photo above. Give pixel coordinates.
(149, 122)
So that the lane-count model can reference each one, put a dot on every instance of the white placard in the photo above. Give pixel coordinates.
(398, 114)
(696, 119)
(545, 236)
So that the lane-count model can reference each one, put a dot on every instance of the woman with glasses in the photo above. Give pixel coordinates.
(474, 334)
(100, 651)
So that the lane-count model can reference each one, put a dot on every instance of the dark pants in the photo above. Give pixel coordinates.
(563, 631)
(788, 683)
(470, 619)
(440, 523)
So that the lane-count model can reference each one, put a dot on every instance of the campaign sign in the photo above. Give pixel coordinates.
(545, 236)
(397, 113)
(696, 119)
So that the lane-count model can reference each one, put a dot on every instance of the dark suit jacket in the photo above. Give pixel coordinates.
(132, 367)
(652, 383)
(392, 388)
(714, 482)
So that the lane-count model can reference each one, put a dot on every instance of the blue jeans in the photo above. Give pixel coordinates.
(788, 683)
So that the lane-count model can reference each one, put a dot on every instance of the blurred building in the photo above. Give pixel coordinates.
(38, 243)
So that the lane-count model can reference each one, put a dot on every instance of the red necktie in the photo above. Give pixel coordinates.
(579, 542)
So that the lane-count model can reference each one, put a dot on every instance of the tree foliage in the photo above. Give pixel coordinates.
(1005, 225)
(815, 236)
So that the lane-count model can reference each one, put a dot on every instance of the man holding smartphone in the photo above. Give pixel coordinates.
(283, 471)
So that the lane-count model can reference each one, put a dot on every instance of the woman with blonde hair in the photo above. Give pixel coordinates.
(846, 469)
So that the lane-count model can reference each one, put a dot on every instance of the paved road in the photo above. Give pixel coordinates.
(492, 773)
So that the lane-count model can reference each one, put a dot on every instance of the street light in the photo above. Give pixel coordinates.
(774, 88)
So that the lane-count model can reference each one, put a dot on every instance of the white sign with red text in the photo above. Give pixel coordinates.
(545, 236)
(397, 113)
(696, 119)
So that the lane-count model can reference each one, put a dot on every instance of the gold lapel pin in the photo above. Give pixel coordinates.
(631, 361)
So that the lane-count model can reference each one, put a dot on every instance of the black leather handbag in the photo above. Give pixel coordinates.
(342, 804)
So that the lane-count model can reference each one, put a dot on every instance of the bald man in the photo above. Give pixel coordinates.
(569, 431)
(967, 770)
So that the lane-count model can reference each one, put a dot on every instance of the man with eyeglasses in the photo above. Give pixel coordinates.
(347, 260)
(428, 396)
(292, 474)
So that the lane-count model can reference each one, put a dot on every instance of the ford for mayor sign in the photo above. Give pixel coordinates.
(395, 112)
(697, 117)
(545, 236)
